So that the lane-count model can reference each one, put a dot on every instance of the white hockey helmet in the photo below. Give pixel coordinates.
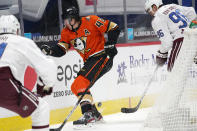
(9, 24)
(149, 3)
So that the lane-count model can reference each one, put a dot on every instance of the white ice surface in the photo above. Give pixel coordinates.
(115, 122)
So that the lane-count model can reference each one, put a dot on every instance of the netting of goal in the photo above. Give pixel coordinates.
(176, 107)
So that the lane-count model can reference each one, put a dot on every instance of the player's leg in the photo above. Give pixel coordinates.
(89, 113)
(87, 75)
(174, 52)
(16, 98)
(40, 117)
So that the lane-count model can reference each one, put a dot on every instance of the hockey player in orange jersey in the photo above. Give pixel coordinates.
(86, 35)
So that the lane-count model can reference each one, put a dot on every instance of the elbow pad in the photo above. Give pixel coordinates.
(113, 35)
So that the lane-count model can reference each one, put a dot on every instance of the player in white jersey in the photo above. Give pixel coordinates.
(169, 23)
(16, 53)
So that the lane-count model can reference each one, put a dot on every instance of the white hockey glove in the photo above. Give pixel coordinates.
(161, 58)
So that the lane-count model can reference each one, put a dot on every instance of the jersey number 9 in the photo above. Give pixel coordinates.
(2, 48)
(176, 17)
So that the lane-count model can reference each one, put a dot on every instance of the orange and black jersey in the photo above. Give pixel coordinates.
(89, 37)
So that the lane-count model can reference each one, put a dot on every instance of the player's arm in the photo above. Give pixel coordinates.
(44, 66)
(56, 50)
(161, 29)
(113, 32)
(106, 26)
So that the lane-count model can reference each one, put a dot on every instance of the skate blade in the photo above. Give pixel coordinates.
(83, 127)
(100, 122)
(89, 125)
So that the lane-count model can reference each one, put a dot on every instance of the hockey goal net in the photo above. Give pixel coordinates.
(176, 107)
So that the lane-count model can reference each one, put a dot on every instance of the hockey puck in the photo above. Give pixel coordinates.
(99, 104)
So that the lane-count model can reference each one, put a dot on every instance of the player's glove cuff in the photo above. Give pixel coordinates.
(110, 49)
(161, 58)
(162, 55)
(43, 90)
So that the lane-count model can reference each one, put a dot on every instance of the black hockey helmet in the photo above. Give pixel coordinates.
(71, 12)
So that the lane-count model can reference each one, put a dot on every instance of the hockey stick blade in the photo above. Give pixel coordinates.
(54, 130)
(59, 128)
(128, 110)
(131, 110)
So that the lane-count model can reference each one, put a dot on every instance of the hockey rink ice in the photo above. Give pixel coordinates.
(115, 122)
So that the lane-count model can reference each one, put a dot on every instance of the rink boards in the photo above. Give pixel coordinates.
(121, 87)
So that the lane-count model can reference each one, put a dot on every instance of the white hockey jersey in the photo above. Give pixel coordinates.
(18, 52)
(169, 23)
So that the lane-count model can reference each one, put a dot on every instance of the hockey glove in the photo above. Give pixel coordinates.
(43, 90)
(161, 58)
(195, 59)
(46, 49)
(110, 49)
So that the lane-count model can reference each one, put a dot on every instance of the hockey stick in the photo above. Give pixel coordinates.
(79, 100)
(134, 109)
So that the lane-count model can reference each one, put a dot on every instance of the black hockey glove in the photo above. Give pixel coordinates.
(43, 90)
(195, 59)
(161, 58)
(46, 49)
(110, 49)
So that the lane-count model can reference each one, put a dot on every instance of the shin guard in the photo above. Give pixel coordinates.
(40, 117)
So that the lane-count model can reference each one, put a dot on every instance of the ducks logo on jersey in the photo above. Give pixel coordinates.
(80, 44)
